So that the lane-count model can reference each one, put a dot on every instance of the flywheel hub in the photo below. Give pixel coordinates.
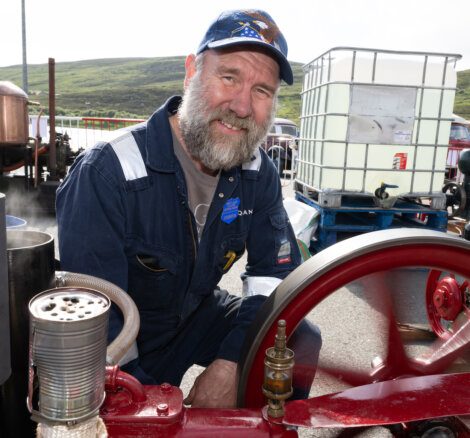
(447, 298)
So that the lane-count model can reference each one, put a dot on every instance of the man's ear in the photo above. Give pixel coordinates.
(190, 67)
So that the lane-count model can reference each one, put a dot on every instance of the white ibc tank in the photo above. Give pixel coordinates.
(371, 117)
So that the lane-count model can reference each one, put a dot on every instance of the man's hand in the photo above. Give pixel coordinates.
(215, 387)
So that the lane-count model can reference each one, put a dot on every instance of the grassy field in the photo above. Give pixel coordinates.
(135, 87)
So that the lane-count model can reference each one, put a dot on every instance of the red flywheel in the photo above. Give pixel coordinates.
(376, 261)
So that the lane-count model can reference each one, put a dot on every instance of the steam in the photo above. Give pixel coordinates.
(25, 205)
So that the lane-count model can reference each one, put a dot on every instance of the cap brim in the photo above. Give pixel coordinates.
(285, 70)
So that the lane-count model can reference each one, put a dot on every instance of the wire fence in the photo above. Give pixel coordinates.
(83, 132)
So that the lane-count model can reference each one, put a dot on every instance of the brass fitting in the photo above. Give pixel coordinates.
(278, 367)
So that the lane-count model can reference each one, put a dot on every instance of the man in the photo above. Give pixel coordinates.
(165, 209)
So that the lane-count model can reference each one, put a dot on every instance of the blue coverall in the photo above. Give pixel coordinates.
(123, 216)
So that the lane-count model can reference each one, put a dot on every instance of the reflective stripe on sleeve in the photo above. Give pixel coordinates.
(129, 156)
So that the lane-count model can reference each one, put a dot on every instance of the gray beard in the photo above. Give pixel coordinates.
(213, 150)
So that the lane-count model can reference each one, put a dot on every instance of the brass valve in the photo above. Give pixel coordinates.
(278, 367)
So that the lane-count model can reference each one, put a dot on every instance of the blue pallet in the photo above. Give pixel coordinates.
(360, 215)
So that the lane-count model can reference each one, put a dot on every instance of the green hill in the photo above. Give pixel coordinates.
(127, 87)
(135, 87)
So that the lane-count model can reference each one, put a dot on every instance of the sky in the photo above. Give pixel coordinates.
(90, 29)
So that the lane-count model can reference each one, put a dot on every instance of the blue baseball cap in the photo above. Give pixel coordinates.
(249, 27)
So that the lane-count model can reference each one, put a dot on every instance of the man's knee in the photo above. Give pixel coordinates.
(306, 342)
(133, 367)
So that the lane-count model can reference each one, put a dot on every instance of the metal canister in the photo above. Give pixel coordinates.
(30, 266)
(14, 123)
(68, 340)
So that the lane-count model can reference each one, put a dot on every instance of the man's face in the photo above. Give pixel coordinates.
(228, 106)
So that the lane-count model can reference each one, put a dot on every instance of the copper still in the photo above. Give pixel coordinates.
(14, 123)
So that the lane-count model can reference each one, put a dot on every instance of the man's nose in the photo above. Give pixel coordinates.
(241, 103)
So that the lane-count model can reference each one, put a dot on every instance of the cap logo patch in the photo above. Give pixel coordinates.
(269, 31)
(259, 28)
(245, 30)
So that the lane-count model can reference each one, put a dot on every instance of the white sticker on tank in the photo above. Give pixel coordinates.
(402, 137)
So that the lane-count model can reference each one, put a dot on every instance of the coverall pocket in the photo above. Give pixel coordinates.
(279, 221)
(230, 250)
(153, 277)
(282, 243)
(154, 264)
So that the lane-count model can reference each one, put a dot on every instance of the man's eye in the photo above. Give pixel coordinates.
(263, 92)
(228, 79)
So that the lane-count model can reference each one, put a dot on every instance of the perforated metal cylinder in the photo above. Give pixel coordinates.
(68, 338)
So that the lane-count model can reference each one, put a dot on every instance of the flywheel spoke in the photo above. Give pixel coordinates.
(445, 352)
